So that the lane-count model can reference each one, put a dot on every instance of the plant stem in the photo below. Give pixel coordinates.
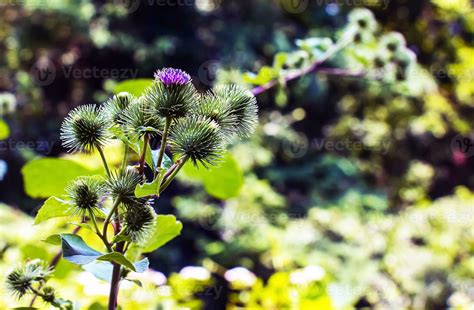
(109, 217)
(116, 272)
(141, 168)
(173, 174)
(125, 156)
(298, 73)
(164, 137)
(104, 161)
(97, 231)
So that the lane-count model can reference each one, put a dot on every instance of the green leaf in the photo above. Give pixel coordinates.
(117, 258)
(279, 61)
(120, 238)
(52, 208)
(142, 265)
(101, 270)
(45, 177)
(137, 282)
(76, 251)
(148, 189)
(53, 239)
(224, 181)
(265, 75)
(167, 228)
(4, 130)
(134, 87)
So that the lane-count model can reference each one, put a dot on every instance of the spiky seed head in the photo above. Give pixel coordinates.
(393, 41)
(199, 138)
(115, 107)
(172, 94)
(20, 281)
(122, 185)
(139, 118)
(363, 20)
(242, 107)
(49, 294)
(85, 129)
(85, 194)
(139, 222)
(218, 110)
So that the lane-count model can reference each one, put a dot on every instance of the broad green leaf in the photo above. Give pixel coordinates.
(53, 239)
(118, 258)
(4, 130)
(134, 87)
(101, 270)
(148, 189)
(142, 265)
(166, 229)
(223, 181)
(45, 177)
(76, 251)
(52, 208)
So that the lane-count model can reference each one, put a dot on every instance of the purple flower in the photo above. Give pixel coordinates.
(171, 76)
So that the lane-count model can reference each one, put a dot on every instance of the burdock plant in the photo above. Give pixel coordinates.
(118, 206)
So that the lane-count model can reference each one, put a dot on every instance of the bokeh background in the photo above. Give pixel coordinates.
(356, 191)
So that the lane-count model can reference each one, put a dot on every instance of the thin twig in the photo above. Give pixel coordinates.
(298, 73)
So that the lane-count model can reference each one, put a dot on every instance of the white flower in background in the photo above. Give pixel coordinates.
(195, 273)
(150, 276)
(307, 275)
(240, 276)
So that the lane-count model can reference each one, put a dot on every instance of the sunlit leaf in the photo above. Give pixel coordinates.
(117, 258)
(223, 181)
(134, 87)
(52, 208)
(45, 177)
(167, 228)
(4, 130)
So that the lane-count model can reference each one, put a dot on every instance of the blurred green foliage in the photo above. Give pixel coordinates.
(384, 221)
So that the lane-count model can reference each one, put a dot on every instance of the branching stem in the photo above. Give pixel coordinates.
(164, 137)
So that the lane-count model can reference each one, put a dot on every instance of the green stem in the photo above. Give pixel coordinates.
(104, 161)
(97, 231)
(173, 175)
(109, 217)
(164, 137)
(125, 157)
(141, 168)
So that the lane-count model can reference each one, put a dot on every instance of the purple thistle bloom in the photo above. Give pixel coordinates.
(171, 76)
